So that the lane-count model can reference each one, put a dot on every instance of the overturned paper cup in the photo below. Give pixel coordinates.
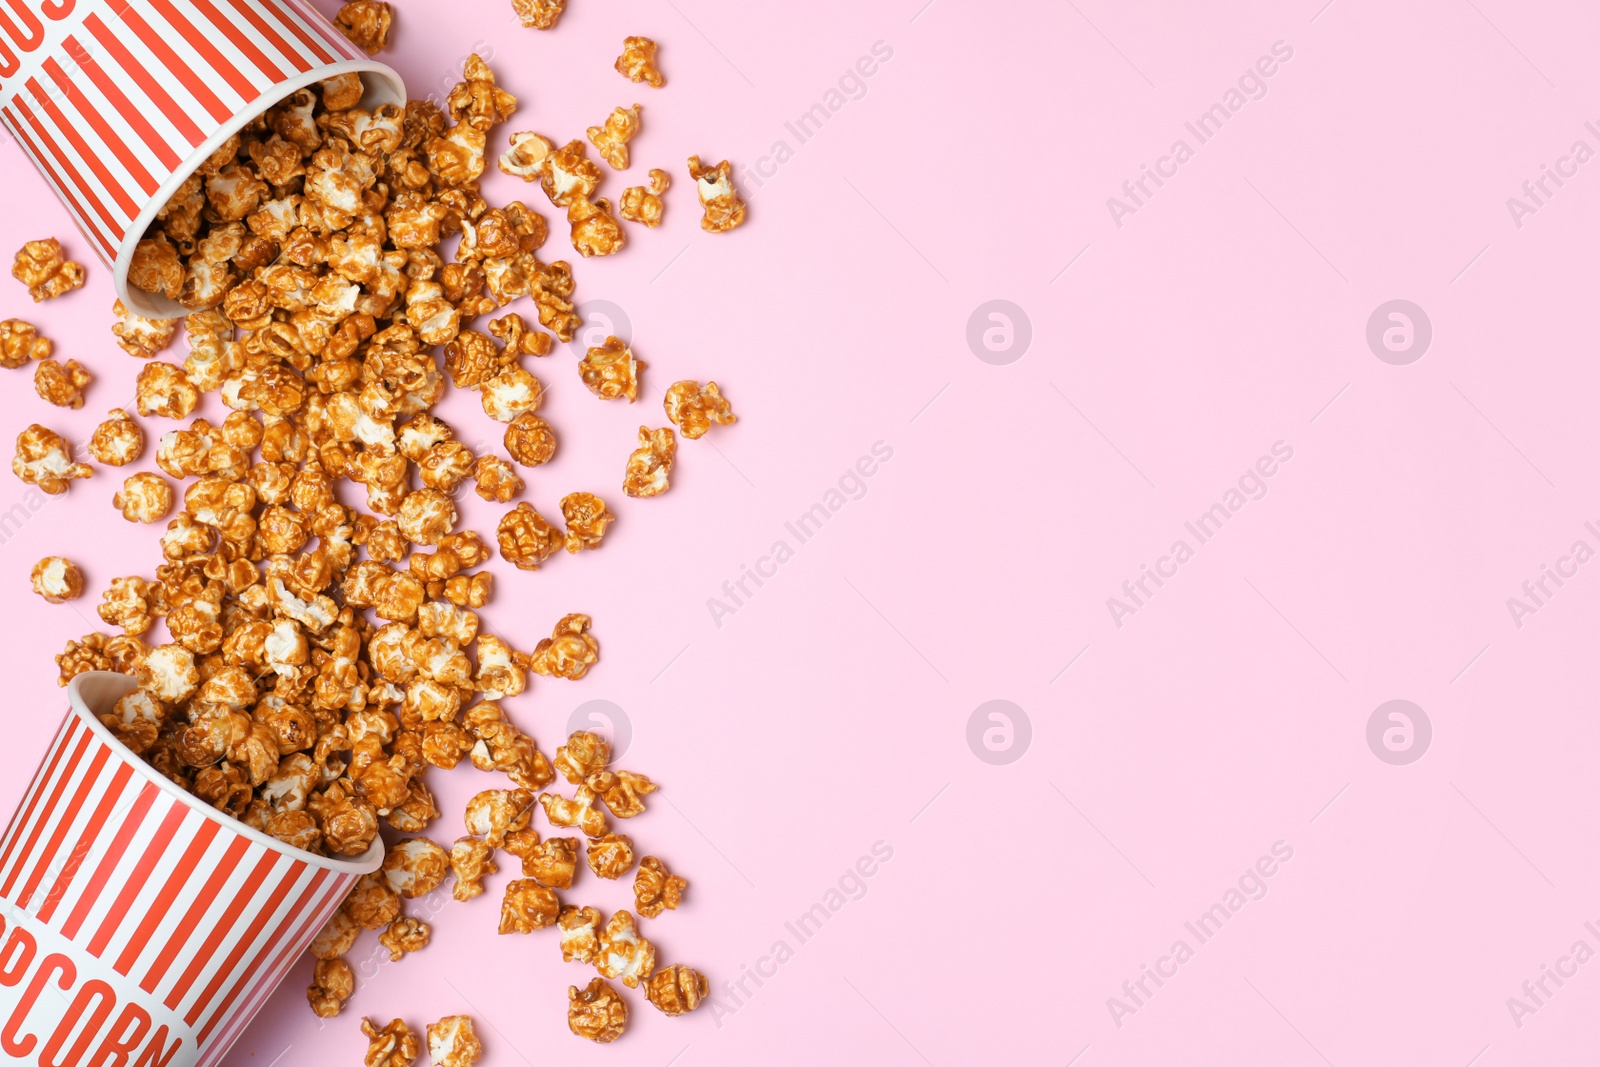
(138, 924)
(118, 101)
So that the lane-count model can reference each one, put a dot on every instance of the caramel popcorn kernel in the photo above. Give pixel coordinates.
(526, 157)
(611, 140)
(598, 1013)
(476, 100)
(624, 954)
(139, 336)
(567, 176)
(595, 231)
(21, 342)
(644, 205)
(452, 1042)
(493, 813)
(637, 62)
(579, 811)
(580, 933)
(155, 267)
(553, 862)
(568, 652)
(366, 23)
(471, 859)
(61, 384)
(393, 1046)
(511, 393)
(118, 440)
(528, 906)
(336, 938)
(416, 867)
(693, 408)
(126, 603)
(405, 935)
(539, 14)
(610, 370)
(650, 465)
(677, 990)
(45, 270)
(163, 389)
(621, 791)
(657, 889)
(144, 497)
(44, 458)
(332, 984)
(525, 538)
(496, 480)
(57, 579)
(610, 856)
(724, 210)
(587, 519)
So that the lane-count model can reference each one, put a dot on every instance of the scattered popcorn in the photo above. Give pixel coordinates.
(644, 205)
(44, 458)
(677, 990)
(21, 343)
(650, 465)
(611, 140)
(580, 933)
(530, 441)
(598, 1013)
(117, 441)
(723, 208)
(595, 231)
(528, 906)
(61, 384)
(45, 270)
(610, 856)
(140, 336)
(163, 389)
(657, 889)
(393, 1046)
(405, 935)
(57, 579)
(610, 371)
(495, 812)
(416, 867)
(623, 953)
(637, 62)
(539, 14)
(587, 518)
(144, 497)
(496, 480)
(569, 652)
(452, 1042)
(579, 811)
(367, 23)
(332, 983)
(693, 408)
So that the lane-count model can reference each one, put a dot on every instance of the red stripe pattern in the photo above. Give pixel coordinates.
(111, 886)
(121, 103)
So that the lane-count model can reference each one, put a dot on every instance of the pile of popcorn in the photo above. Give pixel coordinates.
(321, 657)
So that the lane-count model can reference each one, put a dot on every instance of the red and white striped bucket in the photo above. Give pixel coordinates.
(139, 925)
(118, 101)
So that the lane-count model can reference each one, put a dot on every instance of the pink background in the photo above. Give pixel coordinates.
(830, 711)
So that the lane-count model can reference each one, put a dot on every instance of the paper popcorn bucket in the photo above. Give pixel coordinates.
(139, 925)
(117, 101)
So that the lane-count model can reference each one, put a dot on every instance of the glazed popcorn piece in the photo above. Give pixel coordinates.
(21, 343)
(657, 889)
(496, 480)
(637, 62)
(45, 269)
(452, 1042)
(416, 867)
(526, 157)
(569, 652)
(677, 990)
(526, 539)
(587, 518)
(621, 791)
(392, 1046)
(136, 720)
(61, 384)
(403, 936)
(117, 441)
(57, 579)
(366, 23)
(692, 408)
(332, 983)
(598, 1013)
(426, 517)
(373, 903)
(611, 140)
(163, 389)
(477, 100)
(336, 938)
(723, 208)
(44, 458)
(155, 267)
(139, 336)
(530, 441)
(144, 497)
(552, 863)
(511, 393)
(650, 465)
(610, 856)
(644, 205)
(568, 176)
(493, 813)
(610, 371)
(595, 231)
(126, 603)
(580, 933)
(528, 906)
(578, 812)
(539, 14)
(624, 954)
